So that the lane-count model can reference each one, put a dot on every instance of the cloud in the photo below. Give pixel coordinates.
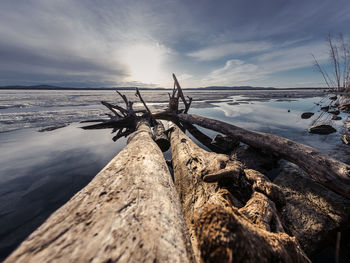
(230, 49)
(288, 58)
(51, 40)
(79, 41)
(87, 41)
(234, 71)
(260, 67)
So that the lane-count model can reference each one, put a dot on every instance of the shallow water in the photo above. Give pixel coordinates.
(39, 172)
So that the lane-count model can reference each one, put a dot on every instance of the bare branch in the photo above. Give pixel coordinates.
(122, 133)
(124, 98)
(179, 91)
(138, 94)
(324, 74)
(113, 108)
(335, 60)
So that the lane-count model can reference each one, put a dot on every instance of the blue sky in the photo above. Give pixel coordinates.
(127, 43)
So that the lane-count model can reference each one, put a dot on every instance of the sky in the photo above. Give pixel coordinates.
(106, 43)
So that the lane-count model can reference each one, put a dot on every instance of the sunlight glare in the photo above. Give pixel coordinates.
(144, 62)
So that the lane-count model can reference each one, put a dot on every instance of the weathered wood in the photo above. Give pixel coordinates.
(254, 159)
(181, 95)
(223, 226)
(312, 213)
(160, 137)
(329, 172)
(225, 143)
(202, 138)
(130, 212)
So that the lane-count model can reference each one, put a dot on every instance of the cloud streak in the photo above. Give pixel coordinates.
(230, 49)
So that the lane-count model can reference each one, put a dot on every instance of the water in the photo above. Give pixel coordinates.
(40, 171)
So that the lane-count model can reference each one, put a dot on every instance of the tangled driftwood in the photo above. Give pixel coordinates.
(220, 208)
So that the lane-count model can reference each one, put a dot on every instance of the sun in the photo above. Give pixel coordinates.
(144, 62)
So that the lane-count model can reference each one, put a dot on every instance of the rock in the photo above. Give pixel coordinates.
(312, 212)
(333, 97)
(307, 115)
(336, 118)
(325, 108)
(345, 107)
(346, 139)
(322, 129)
(334, 112)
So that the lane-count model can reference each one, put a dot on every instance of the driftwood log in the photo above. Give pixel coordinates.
(329, 172)
(219, 210)
(312, 213)
(129, 212)
(234, 221)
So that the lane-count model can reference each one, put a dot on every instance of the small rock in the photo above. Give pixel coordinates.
(307, 115)
(346, 139)
(325, 108)
(322, 129)
(333, 97)
(334, 112)
(336, 118)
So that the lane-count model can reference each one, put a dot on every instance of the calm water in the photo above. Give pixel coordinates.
(40, 171)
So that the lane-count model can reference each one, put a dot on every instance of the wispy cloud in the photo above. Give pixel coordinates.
(230, 49)
(235, 71)
(288, 58)
(260, 67)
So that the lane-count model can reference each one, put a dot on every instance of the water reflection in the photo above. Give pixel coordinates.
(281, 118)
(39, 172)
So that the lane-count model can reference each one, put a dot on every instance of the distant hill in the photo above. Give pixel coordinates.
(236, 88)
(50, 87)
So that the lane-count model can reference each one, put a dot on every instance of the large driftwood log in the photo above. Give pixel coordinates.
(329, 172)
(130, 212)
(312, 213)
(235, 223)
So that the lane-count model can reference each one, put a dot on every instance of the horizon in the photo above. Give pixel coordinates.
(54, 87)
(228, 43)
